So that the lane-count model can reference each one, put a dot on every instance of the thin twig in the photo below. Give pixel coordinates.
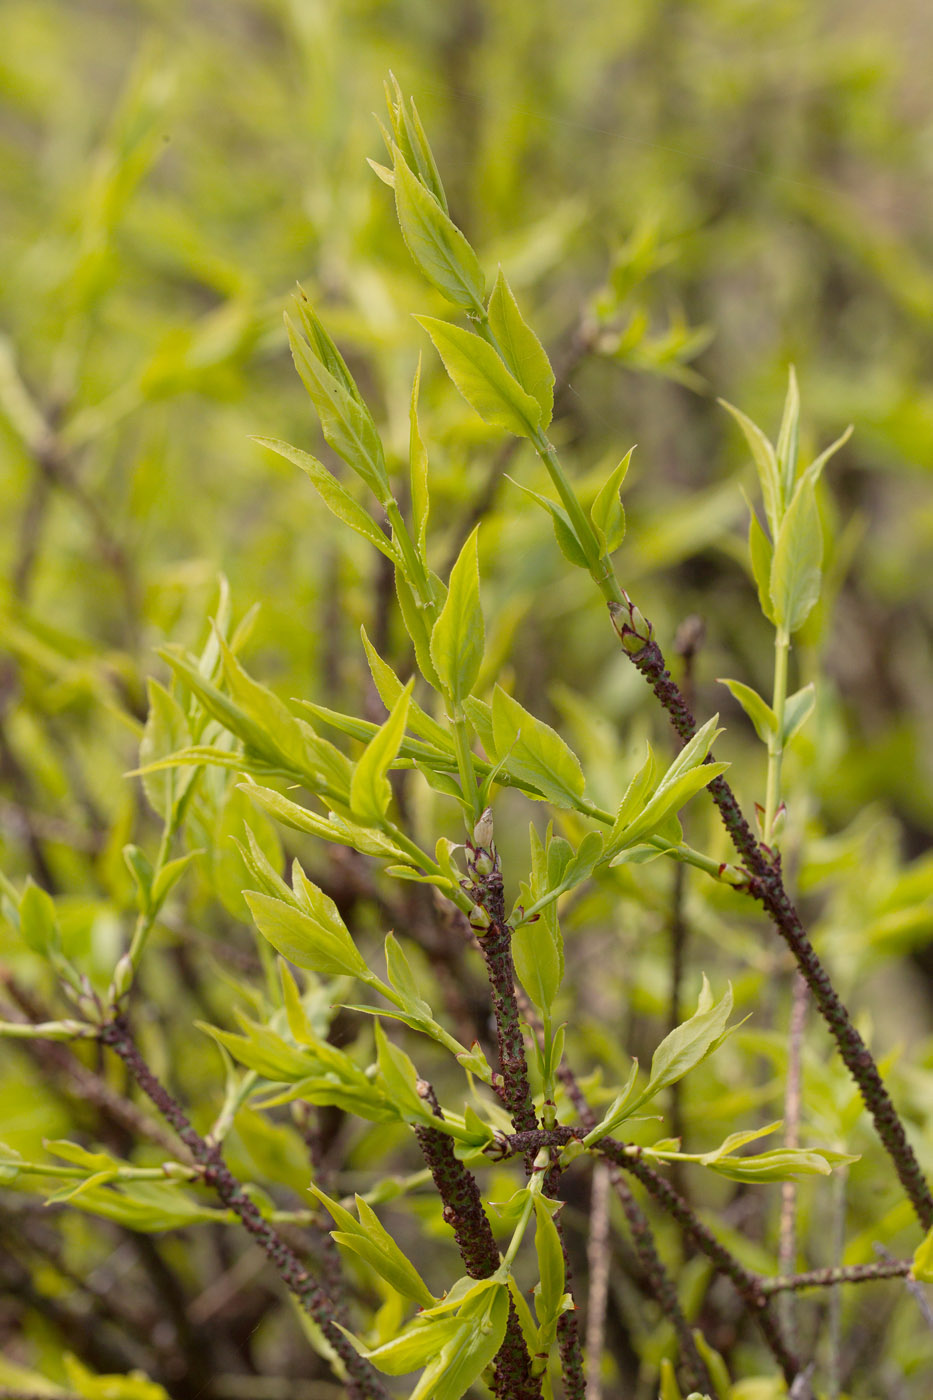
(747, 1284)
(787, 1228)
(828, 1278)
(597, 1267)
(766, 885)
(362, 1379)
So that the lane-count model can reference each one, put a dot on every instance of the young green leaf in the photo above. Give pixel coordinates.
(418, 468)
(690, 1043)
(390, 688)
(319, 942)
(38, 922)
(413, 1348)
(759, 711)
(166, 730)
(607, 513)
(458, 636)
(434, 241)
(788, 436)
(370, 791)
(766, 465)
(399, 1080)
(465, 1357)
(418, 627)
(761, 553)
(535, 752)
(483, 379)
(922, 1266)
(797, 710)
(369, 1239)
(346, 422)
(567, 542)
(798, 558)
(337, 499)
(521, 349)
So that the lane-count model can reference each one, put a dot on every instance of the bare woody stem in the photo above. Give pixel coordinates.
(766, 885)
(494, 933)
(464, 1213)
(363, 1382)
(827, 1278)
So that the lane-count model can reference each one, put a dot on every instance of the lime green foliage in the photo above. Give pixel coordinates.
(642, 207)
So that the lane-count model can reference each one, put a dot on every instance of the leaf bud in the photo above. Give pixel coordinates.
(479, 920)
(484, 863)
(483, 830)
(122, 979)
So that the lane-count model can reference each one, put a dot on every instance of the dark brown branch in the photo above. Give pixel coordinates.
(364, 1384)
(766, 885)
(464, 1213)
(656, 1276)
(747, 1284)
(488, 922)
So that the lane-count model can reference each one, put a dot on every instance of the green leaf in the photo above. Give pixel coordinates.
(436, 244)
(761, 553)
(400, 1080)
(549, 1292)
(483, 379)
(418, 468)
(690, 1043)
(922, 1266)
(759, 711)
(798, 558)
(147, 1206)
(345, 421)
(521, 349)
(537, 951)
(413, 1348)
(465, 1357)
(166, 730)
(38, 921)
(607, 513)
(390, 688)
(622, 1107)
(417, 626)
(458, 636)
(265, 1052)
(815, 469)
(783, 1164)
(534, 752)
(371, 1241)
(401, 977)
(797, 710)
(567, 542)
(168, 876)
(337, 499)
(788, 436)
(370, 791)
(320, 942)
(411, 139)
(766, 465)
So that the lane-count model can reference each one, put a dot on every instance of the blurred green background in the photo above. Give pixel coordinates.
(687, 197)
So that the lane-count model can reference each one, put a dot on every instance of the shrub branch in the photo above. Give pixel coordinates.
(363, 1382)
(765, 884)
